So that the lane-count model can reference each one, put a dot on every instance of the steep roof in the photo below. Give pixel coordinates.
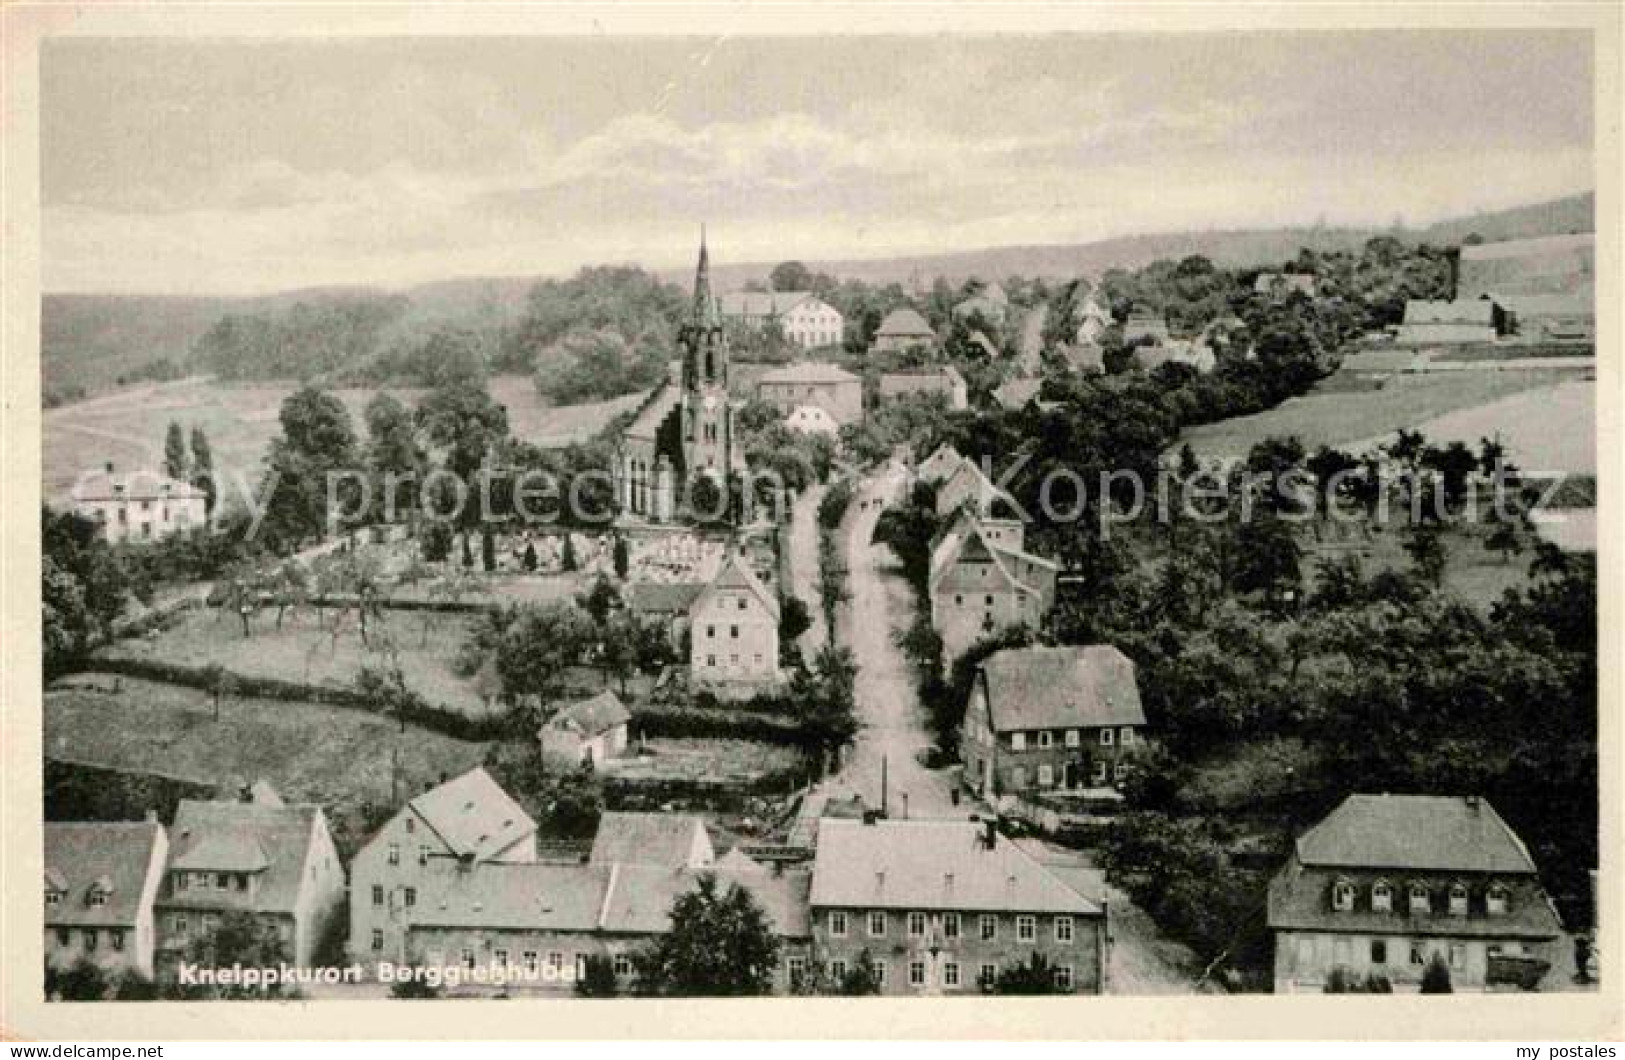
(640, 898)
(930, 865)
(942, 377)
(1456, 311)
(736, 575)
(806, 372)
(666, 839)
(540, 895)
(905, 323)
(811, 418)
(762, 303)
(1015, 393)
(1426, 832)
(1061, 688)
(133, 485)
(941, 464)
(273, 841)
(590, 717)
(112, 855)
(473, 815)
(653, 412)
(661, 598)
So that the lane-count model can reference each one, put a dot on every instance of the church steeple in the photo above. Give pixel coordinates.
(705, 306)
(705, 350)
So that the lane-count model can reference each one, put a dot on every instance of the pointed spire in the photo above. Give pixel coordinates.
(705, 306)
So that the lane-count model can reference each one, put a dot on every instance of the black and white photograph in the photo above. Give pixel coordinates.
(953, 516)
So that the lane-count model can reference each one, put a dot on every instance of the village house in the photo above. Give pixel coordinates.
(1045, 719)
(1195, 355)
(1015, 394)
(664, 603)
(254, 855)
(938, 379)
(669, 840)
(990, 303)
(101, 881)
(943, 907)
(734, 633)
(1461, 321)
(1085, 358)
(812, 419)
(464, 821)
(140, 505)
(827, 386)
(1092, 323)
(903, 329)
(967, 486)
(1143, 324)
(587, 732)
(982, 583)
(1386, 884)
(936, 468)
(1279, 286)
(801, 316)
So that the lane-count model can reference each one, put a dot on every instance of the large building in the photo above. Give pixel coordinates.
(253, 855)
(903, 329)
(685, 428)
(939, 379)
(1052, 719)
(734, 633)
(801, 316)
(140, 505)
(827, 386)
(101, 881)
(1387, 884)
(981, 583)
(944, 907)
(1465, 320)
(464, 821)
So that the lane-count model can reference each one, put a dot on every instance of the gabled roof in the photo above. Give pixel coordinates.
(1061, 688)
(936, 378)
(539, 895)
(641, 897)
(270, 841)
(734, 576)
(667, 839)
(808, 372)
(113, 856)
(133, 485)
(811, 418)
(932, 865)
(662, 598)
(982, 489)
(762, 303)
(653, 412)
(590, 717)
(1457, 311)
(1085, 356)
(1014, 394)
(941, 464)
(1425, 832)
(472, 815)
(905, 323)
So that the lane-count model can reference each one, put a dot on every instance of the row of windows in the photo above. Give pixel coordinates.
(215, 881)
(1049, 776)
(877, 922)
(1419, 898)
(733, 660)
(1044, 739)
(733, 631)
(91, 937)
(395, 851)
(95, 896)
(919, 973)
(1418, 952)
(409, 896)
(529, 960)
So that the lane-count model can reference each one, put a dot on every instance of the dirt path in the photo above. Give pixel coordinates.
(804, 566)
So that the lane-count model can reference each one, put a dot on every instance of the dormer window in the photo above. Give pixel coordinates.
(98, 897)
(1495, 900)
(1382, 897)
(1420, 902)
(1458, 899)
(1343, 896)
(53, 897)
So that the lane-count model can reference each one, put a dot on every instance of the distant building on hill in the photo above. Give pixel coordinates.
(801, 316)
(139, 505)
(1465, 320)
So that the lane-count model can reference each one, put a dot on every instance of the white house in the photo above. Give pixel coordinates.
(101, 879)
(734, 632)
(588, 731)
(802, 317)
(139, 505)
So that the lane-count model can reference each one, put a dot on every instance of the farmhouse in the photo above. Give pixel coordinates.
(463, 821)
(734, 633)
(967, 486)
(903, 329)
(1041, 719)
(990, 303)
(940, 379)
(1092, 322)
(588, 731)
(828, 386)
(801, 316)
(1461, 321)
(942, 907)
(1278, 286)
(1385, 884)
(1175, 351)
(139, 506)
(101, 880)
(685, 427)
(812, 419)
(253, 855)
(979, 586)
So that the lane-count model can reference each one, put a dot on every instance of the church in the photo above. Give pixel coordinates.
(685, 428)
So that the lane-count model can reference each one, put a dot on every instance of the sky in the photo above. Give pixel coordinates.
(250, 166)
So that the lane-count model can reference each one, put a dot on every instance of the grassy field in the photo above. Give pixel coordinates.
(1546, 431)
(1336, 415)
(302, 652)
(336, 757)
(127, 426)
(1472, 572)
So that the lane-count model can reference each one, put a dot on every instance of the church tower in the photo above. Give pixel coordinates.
(707, 417)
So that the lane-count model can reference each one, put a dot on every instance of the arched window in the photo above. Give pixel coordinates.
(1343, 895)
(1419, 898)
(1382, 896)
(1458, 899)
(1495, 899)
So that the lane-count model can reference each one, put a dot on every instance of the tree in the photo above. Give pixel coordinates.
(1503, 538)
(203, 469)
(84, 587)
(415, 989)
(601, 599)
(1436, 976)
(598, 979)
(221, 683)
(622, 559)
(539, 644)
(790, 276)
(84, 980)
(393, 453)
(720, 944)
(462, 419)
(175, 463)
(1426, 547)
(317, 442)
(794, 619)
(1267, 558)
(488, 549)
(1034, 976)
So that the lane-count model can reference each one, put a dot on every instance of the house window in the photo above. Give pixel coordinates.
(410, 825)
(1458, 955)
(1100, 772)
(880, 974)
(710, 660)
(916, 925)
(90, 938)
(1119, 771)
(1063, 977)
(410, 896)
(1419, 955)
(1343, 896)
(1072, 739)
(950, 925)
(1419, 898)
(987, 975)
(741, 603)
(1063, 929)
(837, 971)
(501, 958)
(1382, 897)
(1458, 899)
(1018, 777)
(989, 927)
(555, 961)
(1046, 775)
(623, 964)
(377, 940)
(1026, 928)
(179, 925)
(581, 965)
(242, 881)
(1127, 737)
(528, 958)
(1379, 951)
(221, 882)
(210, 922)
(1106, 737)
(98, 897)
(916, 973)
(796, 967)
(377, 894)
(711, 631)
(1045, 738)
(1018, 741)
(1495, 900)
(52, 898)
(468, 958)
(733, 631)
(63, 937)
(394, 853)
(837, 923)
(116, 937)
(423, 855)
(877, 925)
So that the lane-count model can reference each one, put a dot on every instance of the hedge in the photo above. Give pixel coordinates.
(678, 722)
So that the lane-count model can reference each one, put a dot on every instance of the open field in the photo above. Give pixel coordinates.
(302, 652)
(127, 426)
(1472, 572)
(339, 758)
(1333, 415)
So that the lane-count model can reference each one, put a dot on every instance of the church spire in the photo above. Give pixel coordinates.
(705, 306)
